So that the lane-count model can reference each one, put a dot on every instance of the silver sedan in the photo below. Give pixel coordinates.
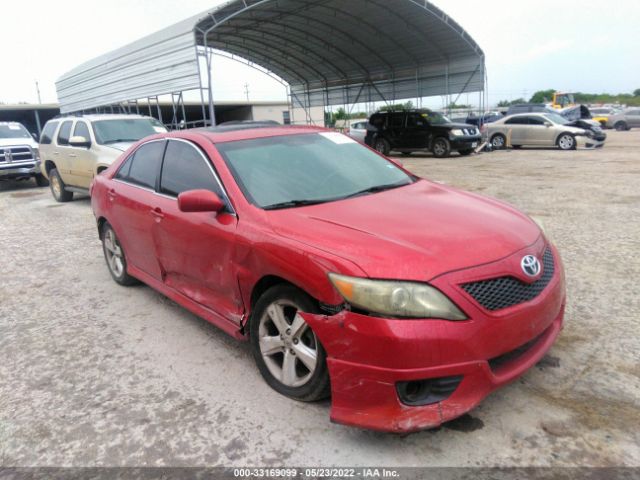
(539, 130)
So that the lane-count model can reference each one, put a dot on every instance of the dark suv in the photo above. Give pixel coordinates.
(420, 130)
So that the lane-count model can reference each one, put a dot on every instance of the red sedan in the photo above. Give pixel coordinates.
(405, 300)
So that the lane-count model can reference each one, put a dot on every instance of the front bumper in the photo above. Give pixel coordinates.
(18, 170)
(465, 143)
(368, 356)
(583, 141)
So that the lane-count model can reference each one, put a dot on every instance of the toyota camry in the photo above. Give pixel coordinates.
(405, 300)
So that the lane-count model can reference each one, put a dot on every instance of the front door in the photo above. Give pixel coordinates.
(196, 250)
(540, 131)
(133, 198)
(82, 160)
(417, 132)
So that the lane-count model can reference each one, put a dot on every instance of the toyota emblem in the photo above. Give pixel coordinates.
(530, 265)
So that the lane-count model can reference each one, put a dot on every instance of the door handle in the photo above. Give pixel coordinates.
(72, 155)
(56, 153)
(111, 193)
(157, 212)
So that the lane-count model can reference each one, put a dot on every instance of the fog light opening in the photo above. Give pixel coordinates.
(426, 392)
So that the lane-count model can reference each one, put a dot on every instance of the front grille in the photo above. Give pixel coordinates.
(507, 358)
(470, 131)
(16, 154)
(503, 292)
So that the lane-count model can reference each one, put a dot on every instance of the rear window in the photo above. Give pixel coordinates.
(143, 167)
(47, 133)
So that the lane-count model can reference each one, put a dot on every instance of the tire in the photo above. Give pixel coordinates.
(115, 257)
(382, 146)
(441, 147)
(466, 152)
(621, 126)
(498, 141)
(308, 380)
(405, 154)
(566, 141)
(57, 187)
(41, 180)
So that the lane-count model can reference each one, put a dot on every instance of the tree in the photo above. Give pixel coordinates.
(636, 92)
(543, 96)
(508, 103)
(453, 106)
(401, 107)
(341, 114)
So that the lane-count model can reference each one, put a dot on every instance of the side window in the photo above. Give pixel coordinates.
(415, 120)
(184, 168)
(377, 120)
(64, 133)
(516, 121)
(47, 133)
(144, 165)
(536, 121)
(397, 120)
(81, 130)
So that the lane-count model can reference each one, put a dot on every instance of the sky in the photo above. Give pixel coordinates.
(571, 45)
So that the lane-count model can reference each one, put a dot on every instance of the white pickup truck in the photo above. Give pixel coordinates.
(19, 156)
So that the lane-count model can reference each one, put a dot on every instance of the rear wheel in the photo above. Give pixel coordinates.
(621, 126)
(41, 180)
(498, 141)
(566, 141)
(382, 146)
(441, 147)
(286, 350)
(114, 255)
(57, 187)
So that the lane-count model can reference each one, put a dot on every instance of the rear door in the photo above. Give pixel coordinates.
(196, 249)
(633, 118)
(417, 131)
(133, 199)
(517, 130)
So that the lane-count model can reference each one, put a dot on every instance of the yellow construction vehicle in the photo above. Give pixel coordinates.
(563, 100)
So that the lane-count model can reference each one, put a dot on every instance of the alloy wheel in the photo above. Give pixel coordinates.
(566, 142)
(55, 186)
(439, 148)
(113, 252)
(497, 141)
(287, 344)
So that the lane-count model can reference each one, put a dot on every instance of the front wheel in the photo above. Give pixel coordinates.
(441, 147)
(57, 187)
(286, 350)
(621, 126)
(566, 141)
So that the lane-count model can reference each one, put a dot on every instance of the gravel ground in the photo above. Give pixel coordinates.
(93, 374)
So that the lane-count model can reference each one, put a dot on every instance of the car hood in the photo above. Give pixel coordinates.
(10, 142)
(415, 232)
(120, 146)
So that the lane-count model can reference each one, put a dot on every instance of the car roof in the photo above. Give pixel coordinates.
(232, 133)
(101, 116)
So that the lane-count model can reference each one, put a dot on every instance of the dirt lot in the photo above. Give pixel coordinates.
(96, 374)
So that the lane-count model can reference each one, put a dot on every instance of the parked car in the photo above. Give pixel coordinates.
(358, 131)
(19, 156)
(345, 272)
(480, 120)
(420, 130)
(542, 130)
(625, 120)
(74, 149)
(602, 114)
(529, 108)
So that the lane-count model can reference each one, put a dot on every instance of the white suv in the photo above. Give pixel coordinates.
(76, 149)
(19, 157)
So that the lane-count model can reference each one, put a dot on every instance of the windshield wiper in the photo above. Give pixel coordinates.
(293, 203)
(375, 189)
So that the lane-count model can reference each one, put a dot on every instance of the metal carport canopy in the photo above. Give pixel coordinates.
(330, 52)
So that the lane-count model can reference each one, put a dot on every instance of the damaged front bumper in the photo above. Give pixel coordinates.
(373, 362)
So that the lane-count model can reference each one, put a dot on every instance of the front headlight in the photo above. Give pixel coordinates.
(456, 132)
(36, 153)
(396, 298)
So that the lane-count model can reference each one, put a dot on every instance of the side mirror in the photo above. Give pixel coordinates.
(199, 201)
(78, 141)
(547, 124)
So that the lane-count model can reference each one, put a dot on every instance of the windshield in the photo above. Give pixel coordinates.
(125, 130)
(14, 130)
(555, 118)
(293, 170)
(435, 118)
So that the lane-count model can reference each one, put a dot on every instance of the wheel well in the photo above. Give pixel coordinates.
(48, 166)
(101, 169)
(101, 222)
(264, 284)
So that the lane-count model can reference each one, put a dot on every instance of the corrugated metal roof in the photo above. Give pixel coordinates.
(329, 51)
